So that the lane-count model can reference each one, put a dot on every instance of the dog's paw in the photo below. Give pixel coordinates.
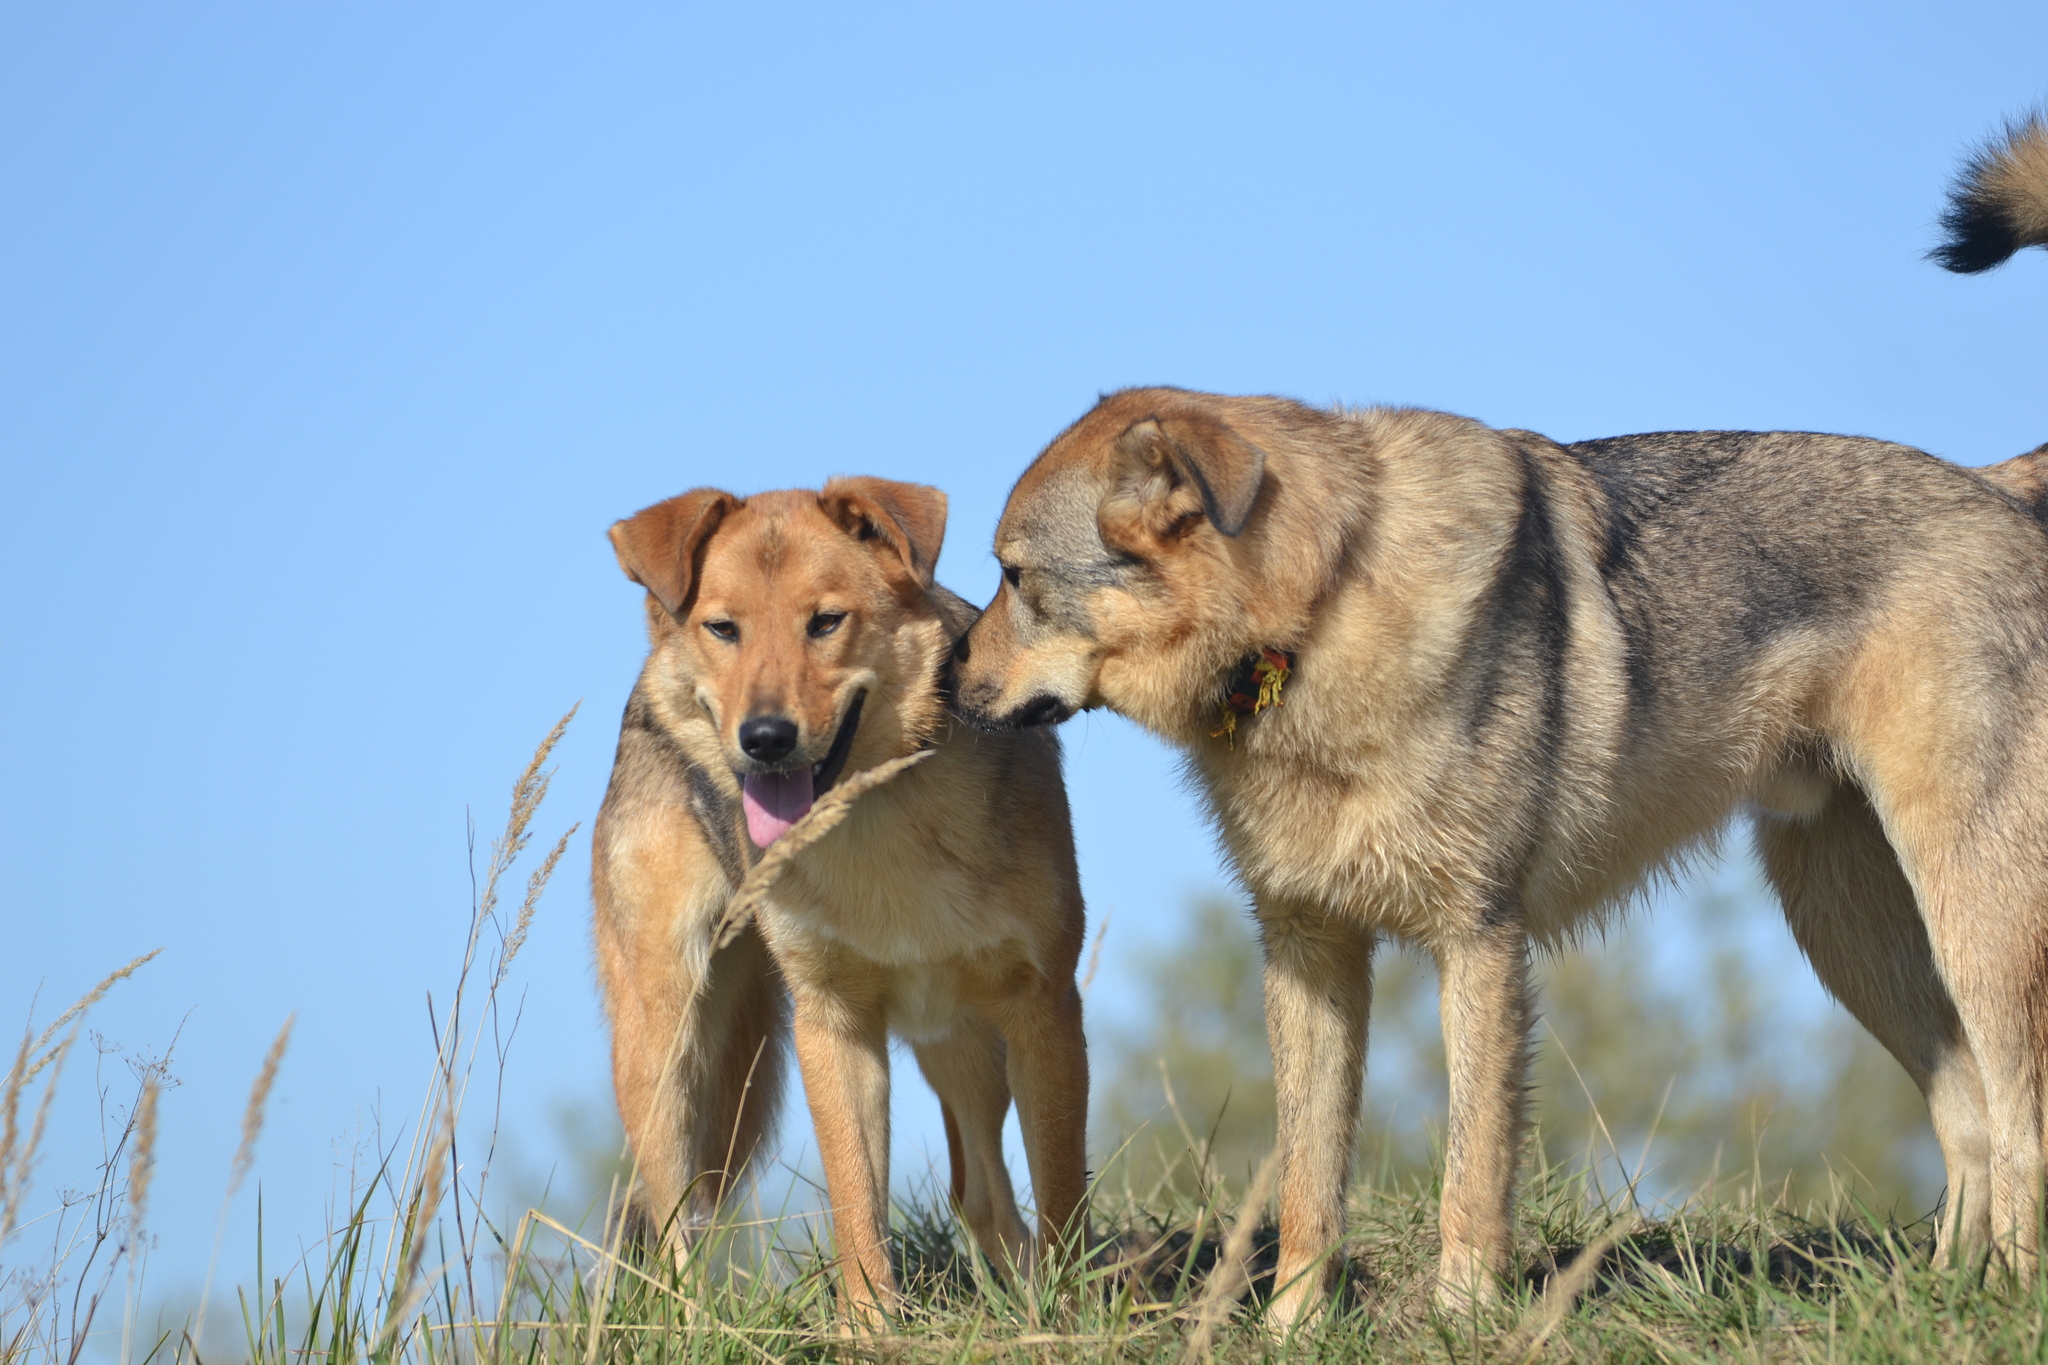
(1464, 1282)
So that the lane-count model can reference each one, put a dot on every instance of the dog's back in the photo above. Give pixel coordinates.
(2024, 478)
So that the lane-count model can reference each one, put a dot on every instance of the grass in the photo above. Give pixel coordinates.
(1715, 1282)
(421, 1271)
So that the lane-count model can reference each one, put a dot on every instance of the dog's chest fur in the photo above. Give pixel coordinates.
(901, 895)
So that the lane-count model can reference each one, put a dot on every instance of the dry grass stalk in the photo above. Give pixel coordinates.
(426, 1202)
(245, 1158)
(24, 1159)
(259, 1096)
(527, 794)
(433, 1145)
(535, 885)
(1232, 1273)
(16, 1158)
(141, 1166)
(142, 1161)
(819, 821)
(1095, 953)
(1563, 1291)
(1201, 1154)
(10, 1130)
(85, 1002)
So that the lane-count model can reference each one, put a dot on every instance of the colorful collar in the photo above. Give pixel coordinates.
(1253, 687)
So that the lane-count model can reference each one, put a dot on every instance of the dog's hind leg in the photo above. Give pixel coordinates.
(1996, 979)
(966, 1070)
(956, 1156)
(1852, 911)
(1982, 897)
(1047, 1056)
(1318, 998)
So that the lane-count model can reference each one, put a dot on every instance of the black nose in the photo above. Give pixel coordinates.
(1043, 709)
(767, 739)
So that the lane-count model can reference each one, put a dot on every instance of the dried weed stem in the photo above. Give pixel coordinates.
(1232, 1273)
(819, 821)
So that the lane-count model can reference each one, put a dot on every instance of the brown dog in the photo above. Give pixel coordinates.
(799, 637)
(1471, 688)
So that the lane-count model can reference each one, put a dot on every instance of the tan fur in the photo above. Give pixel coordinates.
(2016, 179)
(1379, 547)
(2024, 478)
(1998, 204)
(945, 907)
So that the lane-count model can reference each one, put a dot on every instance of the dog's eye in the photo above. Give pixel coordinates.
(825, 622)
(1013, 575)
(724, 630)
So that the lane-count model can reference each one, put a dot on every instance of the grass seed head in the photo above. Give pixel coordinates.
(259, 1097)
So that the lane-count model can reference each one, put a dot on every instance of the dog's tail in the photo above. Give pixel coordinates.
(2023, 477)
(1999, 202)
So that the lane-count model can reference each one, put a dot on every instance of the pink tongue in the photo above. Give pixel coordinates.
(774, 802)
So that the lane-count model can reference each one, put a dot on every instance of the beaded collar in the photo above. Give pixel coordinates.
(1253, 687)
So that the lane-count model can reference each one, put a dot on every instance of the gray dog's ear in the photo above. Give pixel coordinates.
(1193, 452)
(910, 518)
(658, 546)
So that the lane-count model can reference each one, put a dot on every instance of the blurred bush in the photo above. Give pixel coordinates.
(1688, 1052)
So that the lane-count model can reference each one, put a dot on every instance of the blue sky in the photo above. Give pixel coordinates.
(332, 338)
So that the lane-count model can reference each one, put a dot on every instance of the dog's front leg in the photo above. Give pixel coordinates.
(842, 1047)
(1484, 1000)
(1318, 998)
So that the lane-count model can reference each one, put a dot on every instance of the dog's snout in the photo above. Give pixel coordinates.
(768, 739)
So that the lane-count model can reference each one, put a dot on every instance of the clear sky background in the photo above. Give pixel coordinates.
(332, 338)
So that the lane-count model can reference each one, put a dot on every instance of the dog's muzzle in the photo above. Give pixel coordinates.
(1043, 709)
(775, 799)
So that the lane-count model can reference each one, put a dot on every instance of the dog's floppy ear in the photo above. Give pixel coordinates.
(657, 546)
(1179, 465)
(910, 518)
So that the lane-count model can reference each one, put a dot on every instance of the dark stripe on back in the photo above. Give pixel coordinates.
(1717, 542)
(1648, 481)
(1518, 644)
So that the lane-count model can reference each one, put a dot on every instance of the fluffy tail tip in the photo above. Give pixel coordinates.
(1999, 202)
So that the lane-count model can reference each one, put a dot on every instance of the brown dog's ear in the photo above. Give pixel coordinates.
(1191, 452)
(657, 546)
(910, 518)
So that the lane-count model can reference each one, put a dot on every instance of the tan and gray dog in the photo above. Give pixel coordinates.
(798, 638)
(1470, 688)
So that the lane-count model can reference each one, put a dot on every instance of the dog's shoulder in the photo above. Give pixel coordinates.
(654, 770)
